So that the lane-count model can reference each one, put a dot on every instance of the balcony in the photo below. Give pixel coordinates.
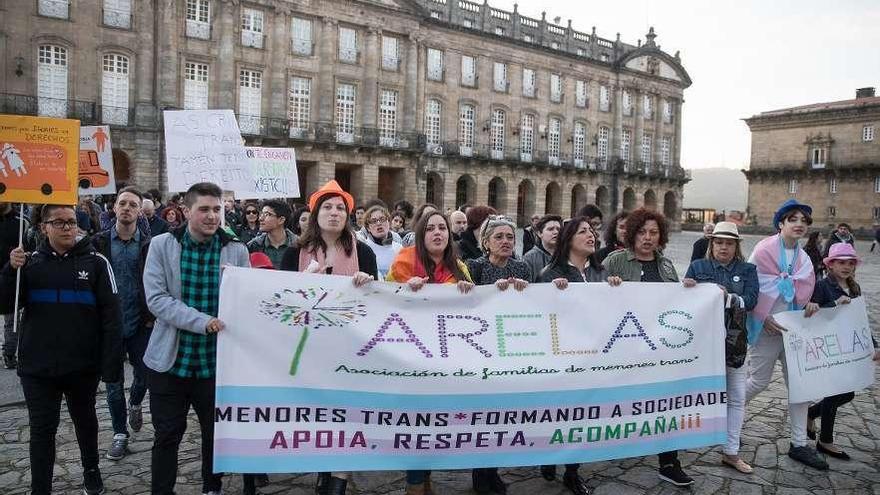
(87, 112)
(117, 18)
(253, 39)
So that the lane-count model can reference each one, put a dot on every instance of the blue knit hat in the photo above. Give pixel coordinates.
(791, 204)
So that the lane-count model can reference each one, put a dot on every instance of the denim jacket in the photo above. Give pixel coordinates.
(738, 277)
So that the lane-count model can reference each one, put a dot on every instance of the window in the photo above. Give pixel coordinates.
(499, 31)
(868, 133)
(348, 51)
(665, 152)
(346, 95)
(817, 157)
(604, 99)
(54, 8)
(52, 81)
(627, 103)
(529, 79)
(195, 88)
(832, 211)
(832, 185)
(875, 213)
(500, 77)
(581, 52)
(555, 88)
(198, 19)
(435, 65)
(433, 113)
(648, 106)
(466, 118)
(877, 184)
(554, 133)
(528, 38)
(117, 13)
(625, 145)
(497, 137)
(667, 111)
(301, 36)
(647, 145)
(468, 71)
(435, 14)
(250, 96)
(602, 143)
(252, 28)
(299, 105)
(388, 118)
(527, 137)
(114, 89)
(554, 45)
(792, 186)
(390, 53)
(580, 93)
(579, 141)
(467, 23)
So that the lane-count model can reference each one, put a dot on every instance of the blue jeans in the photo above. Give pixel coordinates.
(134, 347)
(417, 477)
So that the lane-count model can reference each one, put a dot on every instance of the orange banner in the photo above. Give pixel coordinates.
(39, 159)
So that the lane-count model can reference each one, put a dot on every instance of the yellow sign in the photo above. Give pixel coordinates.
(39, 160)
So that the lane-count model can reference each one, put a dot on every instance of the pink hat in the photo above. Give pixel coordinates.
(842, 251)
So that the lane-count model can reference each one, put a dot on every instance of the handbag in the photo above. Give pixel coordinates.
(735, 342)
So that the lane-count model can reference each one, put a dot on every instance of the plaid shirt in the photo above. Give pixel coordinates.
(199, 289)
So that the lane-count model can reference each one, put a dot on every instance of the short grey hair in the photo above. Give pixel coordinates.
(491, 223)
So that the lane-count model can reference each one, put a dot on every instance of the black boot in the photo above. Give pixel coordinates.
(337, 486)
(548, 472)
(496, 484)
(322, 487)
(480, 481)
(248, 485)
(573, 481)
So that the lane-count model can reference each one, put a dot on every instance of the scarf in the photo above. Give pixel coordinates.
(777, 278)
(407, 265)
(342, 265)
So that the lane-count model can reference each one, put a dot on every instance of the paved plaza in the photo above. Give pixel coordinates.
(765, 444)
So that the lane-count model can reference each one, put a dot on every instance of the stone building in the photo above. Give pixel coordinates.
(446, 101)
(824, 154)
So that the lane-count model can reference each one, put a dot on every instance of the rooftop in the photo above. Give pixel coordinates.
(820, 107)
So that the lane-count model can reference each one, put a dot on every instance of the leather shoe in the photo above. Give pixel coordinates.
(837, 455)
(322, 486)
(548, 472)
(575, 483)
(337, 486)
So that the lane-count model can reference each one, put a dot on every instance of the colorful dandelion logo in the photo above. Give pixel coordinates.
(311, 309)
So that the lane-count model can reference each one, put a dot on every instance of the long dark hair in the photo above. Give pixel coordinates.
(563, 245)
(311, 239)
(611, 230)
(294, 219)
(450, 257)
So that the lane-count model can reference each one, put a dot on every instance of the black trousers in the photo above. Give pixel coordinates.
(827, 410)
(43, 399)
(667, 458)
(170, 399)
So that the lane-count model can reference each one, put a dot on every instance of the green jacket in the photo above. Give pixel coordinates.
(625, 265)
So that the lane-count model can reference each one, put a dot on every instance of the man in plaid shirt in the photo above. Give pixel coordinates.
(182, 285)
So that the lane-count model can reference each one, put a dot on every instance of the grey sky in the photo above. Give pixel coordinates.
(744, 56)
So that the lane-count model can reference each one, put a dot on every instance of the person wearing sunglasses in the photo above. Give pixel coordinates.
(250, 225)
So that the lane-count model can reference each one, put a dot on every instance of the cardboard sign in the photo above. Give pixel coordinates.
(205, 146)
(96, 161)
(38, 159)
(275, 174)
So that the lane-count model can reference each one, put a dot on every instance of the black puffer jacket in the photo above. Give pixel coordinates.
(71, 321)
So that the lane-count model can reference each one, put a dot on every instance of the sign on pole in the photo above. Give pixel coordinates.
(275, 174)
(828, 353)
(205, 146)
(96, 161)
(38, 159)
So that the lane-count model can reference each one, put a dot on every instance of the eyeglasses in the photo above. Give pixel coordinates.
(377, 221)
(268, 214)
(61, 224)
(251, 212)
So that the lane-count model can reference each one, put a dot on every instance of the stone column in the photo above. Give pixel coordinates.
(327, 56)
(145, 111)
(638, 129)
(170, 31)
(370, 99)
(225, 74)
(658, 130)
(676, 117)
(411, 88)
(280, 60)
(318, 175)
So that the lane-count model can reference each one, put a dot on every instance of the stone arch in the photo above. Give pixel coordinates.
(670, 206)
(465, 190)
(553, 199)
(629, 199)
(525, 201)
(650, 200)
(497, 197)
(578, 198)
(603, 199)
(434, 189)
(121, 166)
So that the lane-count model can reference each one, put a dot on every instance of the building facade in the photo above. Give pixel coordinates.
(826, 155)
(445, 101)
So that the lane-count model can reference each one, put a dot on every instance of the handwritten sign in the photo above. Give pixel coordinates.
(38, 159)
(96, 161)
(205, 146)
(315, 374)
(829, 353)
(275, 174)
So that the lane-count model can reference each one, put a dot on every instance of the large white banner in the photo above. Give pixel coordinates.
(317, 375)
(275, 174)
(829, 353)
(96, 174)
(205, 146)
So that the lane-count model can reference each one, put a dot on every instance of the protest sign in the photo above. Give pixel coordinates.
(274, 174)
(205, 146)
(38, 159)
(828, 353)
(96, 161)
(317, 375)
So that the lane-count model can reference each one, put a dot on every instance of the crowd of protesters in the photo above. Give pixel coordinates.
(138, 279)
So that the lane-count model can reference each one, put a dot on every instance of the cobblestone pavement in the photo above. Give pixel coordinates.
(765, 444)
